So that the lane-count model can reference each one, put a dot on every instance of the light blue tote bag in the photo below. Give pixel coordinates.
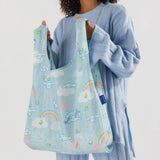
(67, 111)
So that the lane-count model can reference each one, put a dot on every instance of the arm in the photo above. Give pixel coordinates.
(121, 54)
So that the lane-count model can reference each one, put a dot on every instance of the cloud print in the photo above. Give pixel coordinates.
(57, 73)
(85, 96)
(40, 123)
(65, 91)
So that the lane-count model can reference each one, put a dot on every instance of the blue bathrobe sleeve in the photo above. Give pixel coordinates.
(120, 51)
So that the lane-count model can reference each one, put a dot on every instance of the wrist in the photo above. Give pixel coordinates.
(90, 26)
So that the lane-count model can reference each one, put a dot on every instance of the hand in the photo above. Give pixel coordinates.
(89, 28)
(48, 36)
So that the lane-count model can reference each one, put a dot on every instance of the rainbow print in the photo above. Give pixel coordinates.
(89, 84)
(101, 140)
(50, 113)
(99, 84)
(31, 146)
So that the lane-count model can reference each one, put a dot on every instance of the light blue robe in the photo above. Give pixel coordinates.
(114, 46)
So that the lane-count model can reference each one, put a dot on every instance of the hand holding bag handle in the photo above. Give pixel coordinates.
(65, 100)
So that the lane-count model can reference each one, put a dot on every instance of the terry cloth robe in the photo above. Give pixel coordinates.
(114, 47)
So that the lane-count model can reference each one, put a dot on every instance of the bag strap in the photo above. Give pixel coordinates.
(82, 43)
(81, 39)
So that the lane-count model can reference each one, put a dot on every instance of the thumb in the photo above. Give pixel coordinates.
(43, 22)
(77, 16)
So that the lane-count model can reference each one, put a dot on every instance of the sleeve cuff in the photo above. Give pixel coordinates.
(99, 44)
(98, 34)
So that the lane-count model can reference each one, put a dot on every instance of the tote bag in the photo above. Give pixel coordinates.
(67, 110)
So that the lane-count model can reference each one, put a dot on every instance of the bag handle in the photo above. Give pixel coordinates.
(80, 26)
(95, 70)
(81, 35)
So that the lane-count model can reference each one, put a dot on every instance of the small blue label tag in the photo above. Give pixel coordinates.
(103, 99)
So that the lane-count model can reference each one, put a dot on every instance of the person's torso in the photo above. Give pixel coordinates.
(99, 15)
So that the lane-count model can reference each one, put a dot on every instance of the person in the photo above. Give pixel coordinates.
(112, 43)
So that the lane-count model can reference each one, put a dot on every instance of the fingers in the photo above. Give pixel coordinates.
(77, 16)
(43, 22)
(48, 35)
(48, 31)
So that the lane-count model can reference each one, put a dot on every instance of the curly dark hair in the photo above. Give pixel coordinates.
(71, 7)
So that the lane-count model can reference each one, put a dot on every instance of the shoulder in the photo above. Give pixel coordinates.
(61, 22)
(120, 20)
(114, 7)
(116, 10)
(119, 17)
